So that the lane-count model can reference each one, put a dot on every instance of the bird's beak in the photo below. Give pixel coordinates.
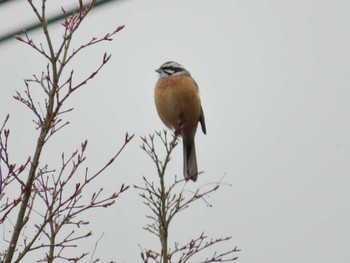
(158, 70)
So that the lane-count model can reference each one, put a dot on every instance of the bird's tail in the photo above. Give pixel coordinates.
(190, 160)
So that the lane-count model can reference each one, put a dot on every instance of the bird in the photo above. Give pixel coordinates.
(176, 96)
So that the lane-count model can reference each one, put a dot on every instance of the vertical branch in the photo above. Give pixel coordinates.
(50, 256)
(162, 194)
(164, 223)
(21, 221)
(164, 233)
(44, 131)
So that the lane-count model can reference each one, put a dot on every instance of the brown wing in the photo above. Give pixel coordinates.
(202, 121)
(201, 117)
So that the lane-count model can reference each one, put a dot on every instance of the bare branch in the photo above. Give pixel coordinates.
(51, 200)
(166, 202)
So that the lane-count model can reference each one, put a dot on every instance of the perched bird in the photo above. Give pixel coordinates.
(179, 107)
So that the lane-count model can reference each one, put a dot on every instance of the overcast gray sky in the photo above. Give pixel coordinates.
(274, 78)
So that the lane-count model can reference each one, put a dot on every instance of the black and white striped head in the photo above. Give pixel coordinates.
(170, 69)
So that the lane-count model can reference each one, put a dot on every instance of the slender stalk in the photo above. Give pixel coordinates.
(50, 256)
(164, 223)
(164, 220)
(26, 196)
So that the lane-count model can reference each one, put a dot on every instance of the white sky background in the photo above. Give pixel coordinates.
(275, 88)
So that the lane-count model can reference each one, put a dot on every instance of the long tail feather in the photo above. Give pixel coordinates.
(190, 160)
